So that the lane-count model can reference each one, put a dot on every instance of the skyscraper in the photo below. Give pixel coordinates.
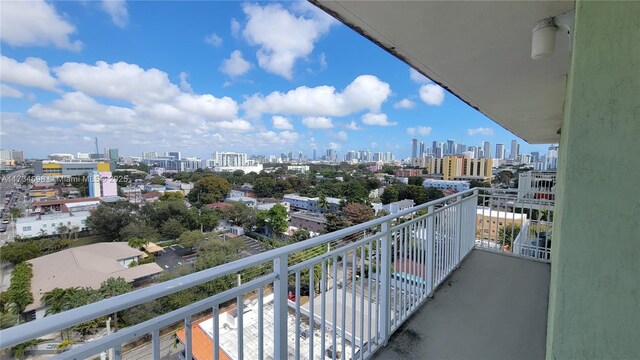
(434, 146)
(486, 147)
(414, 148)
(450, 147)
(515, 150)
(314, 154)
(422, 149)
(176, 155)
(500, 151)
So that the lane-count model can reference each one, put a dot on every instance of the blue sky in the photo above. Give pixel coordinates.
(199, 77)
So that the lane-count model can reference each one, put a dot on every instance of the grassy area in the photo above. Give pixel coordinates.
(92, 239)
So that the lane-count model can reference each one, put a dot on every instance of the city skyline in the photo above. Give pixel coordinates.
(225, 84)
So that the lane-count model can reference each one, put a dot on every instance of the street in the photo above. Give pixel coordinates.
(7, 184)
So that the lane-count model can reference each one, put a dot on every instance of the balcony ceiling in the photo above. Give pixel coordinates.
(480, 51)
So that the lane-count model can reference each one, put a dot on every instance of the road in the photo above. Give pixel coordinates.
(7, 184)
(168, 349)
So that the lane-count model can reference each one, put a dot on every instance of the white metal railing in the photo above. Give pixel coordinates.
(339, 295)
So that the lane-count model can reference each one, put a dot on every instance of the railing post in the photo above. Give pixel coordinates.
(430, 261)
(280, 288)
(385, 283)
(459, 203)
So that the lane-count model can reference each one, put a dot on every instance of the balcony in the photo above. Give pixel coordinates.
(463, 276)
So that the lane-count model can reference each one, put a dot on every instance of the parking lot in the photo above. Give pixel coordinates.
(172, 257)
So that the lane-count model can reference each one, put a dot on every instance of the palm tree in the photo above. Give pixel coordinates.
(75, 229)
(62, 230)
(323, 203)
(138, 243)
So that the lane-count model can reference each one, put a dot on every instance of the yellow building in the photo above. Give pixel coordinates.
(489, 222)
(459, 167)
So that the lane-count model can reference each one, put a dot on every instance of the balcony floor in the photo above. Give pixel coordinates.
(493, 307)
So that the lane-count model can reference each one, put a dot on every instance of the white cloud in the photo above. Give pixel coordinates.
(208, 106)
(35, 23)
(288, 136)
(323, 61)
(415, 76)
(282, 37)
(235, 28)
(184, 84)
(235, 65)
(480, 131)
(213, 39)
(317, 122)
(378, 119)
(118, 11)
(8, 91)
(78, 107)
(404, 104)
(366, 92)
(342, 135)
(353, 126)
(282, 123)
(420, 130)
(234, 125)
(33, 72)
(432, 94)
(334, 146)
(120, 81)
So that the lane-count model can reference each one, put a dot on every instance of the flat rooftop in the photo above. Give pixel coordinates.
(493, 307)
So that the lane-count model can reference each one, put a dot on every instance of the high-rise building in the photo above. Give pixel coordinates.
(439, 153)
(450, 147)
(149, 155)
(226, 159)
(535, 156)
(460, 148)
(434, 146)
(515, 150)
(414, 148)
(314, 154)
(500, 151)
(486, 148)
(112, 154)
(176, 155)
(422, 148)
(552, 158)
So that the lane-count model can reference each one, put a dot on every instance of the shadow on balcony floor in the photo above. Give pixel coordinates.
(493, 307)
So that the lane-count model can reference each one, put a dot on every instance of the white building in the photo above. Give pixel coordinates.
(299, 168)
(457, 185)
(32, 226)
(298, 202)
(231, 161)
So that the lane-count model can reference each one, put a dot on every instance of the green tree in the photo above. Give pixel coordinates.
(210, 189)
(171, 196)
(16, 212)
(139, 229)
(358, 213)
(138, 243)
(266, 187)
(335, 222)
(239, 214)
(20, 288)
(63, 231)
(300, 235)
(157, 213)
(207, 218)
(109, 288)
(172, 229)
(157, 180)
(275, 219)
(390, 194)
(416, 180)
(109, 219)
(507, 233)
(191, 239)
(323, 204)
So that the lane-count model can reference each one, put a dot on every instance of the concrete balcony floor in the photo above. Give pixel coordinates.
(493, 307)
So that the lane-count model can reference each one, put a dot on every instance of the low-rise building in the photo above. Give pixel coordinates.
(307, 220)
(243, 199)
(298, 168)
(64, 205)
(455, 185)
(44, 225)
(298, 202)
(489, 222)
(85, 266)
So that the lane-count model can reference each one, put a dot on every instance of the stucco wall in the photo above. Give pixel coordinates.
(594, 303)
